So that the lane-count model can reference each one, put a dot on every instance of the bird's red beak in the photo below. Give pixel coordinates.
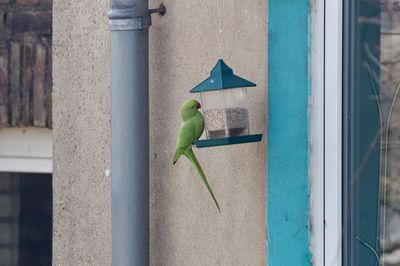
(198, 105)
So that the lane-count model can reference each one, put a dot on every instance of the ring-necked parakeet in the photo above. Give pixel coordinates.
(191, 129)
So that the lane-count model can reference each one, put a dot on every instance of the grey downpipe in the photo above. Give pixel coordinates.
(129, 21)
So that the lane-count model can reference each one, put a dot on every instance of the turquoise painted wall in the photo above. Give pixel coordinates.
(288, 192)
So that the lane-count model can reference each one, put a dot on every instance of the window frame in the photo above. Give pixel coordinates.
(26, 150)
(333, 132)
(326, 126)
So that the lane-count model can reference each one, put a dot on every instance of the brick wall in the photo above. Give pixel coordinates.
(25, 63)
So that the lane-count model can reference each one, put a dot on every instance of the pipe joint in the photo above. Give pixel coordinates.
(124, 19)
(121, 24)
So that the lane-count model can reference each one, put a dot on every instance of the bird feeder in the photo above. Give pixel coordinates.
(225, 108)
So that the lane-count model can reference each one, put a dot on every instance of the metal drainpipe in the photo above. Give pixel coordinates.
(129, 23)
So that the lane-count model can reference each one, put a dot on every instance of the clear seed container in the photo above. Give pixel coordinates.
(225, 113)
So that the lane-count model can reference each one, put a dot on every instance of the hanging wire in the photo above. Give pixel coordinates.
(220, 9)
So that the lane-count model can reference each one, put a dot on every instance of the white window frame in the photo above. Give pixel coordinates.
(333, 132)
(26, 150)
(326, 139)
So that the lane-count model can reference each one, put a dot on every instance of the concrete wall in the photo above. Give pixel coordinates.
(81, 133)
(186, 228)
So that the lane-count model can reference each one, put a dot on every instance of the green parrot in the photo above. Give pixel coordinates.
(191, 129)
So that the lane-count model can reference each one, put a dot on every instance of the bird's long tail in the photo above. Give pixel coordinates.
(190, 155)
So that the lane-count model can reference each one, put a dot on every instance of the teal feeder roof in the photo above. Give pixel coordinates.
(222, 78)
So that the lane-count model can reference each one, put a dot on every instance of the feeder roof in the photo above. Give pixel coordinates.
(222, 78)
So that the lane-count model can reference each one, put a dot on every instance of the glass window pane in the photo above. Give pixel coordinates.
(25, 219)
(371, 158)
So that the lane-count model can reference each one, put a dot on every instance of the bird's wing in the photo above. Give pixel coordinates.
(199, 122)
(186, 135)
(185, 139)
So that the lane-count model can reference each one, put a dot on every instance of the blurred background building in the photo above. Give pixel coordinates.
(25, 132)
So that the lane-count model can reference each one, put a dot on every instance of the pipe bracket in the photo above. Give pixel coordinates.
(124, 19)
(139, 23)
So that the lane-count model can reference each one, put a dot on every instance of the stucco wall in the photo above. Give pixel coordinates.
(81, 133)
(186, 228)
